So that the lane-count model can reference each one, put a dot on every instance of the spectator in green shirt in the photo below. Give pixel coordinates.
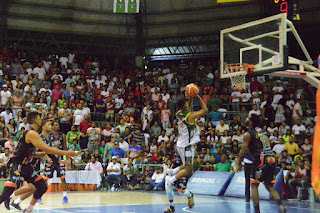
(75, 145)
(223, 166)
(73, 134)
(102, 146)
(214, 101)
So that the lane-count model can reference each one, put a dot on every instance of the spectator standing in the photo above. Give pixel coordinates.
(65, 118)
(297, 110)
(165, 116)
(78, 116)
(5, 96)
(72, 135)
(94, 137)
(40, 70)
(107, 150)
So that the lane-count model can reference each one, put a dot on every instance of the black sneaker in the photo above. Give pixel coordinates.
(7, 203)
(16, 206)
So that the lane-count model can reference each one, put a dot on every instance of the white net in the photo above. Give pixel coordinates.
(238, 79)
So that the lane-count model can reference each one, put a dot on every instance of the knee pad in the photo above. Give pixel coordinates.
(41, 188)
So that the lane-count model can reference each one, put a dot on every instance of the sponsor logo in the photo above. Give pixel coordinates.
(203, 180)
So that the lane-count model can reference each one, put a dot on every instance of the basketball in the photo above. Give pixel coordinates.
(192, 89)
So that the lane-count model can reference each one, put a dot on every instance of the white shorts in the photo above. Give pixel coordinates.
(186, 154)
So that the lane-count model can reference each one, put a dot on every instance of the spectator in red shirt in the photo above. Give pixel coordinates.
(56, 93)
(5, 54)
(208, 167)
(255, 84)
(83, 126)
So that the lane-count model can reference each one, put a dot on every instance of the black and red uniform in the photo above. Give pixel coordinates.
(262, 171)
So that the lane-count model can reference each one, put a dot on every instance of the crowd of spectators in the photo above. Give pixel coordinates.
(123, 117)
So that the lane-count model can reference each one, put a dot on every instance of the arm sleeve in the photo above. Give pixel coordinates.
(87, 167)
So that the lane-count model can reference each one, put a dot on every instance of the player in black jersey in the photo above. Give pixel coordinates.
(21, 163)
(53, 138)
(263, 169)
(54, 163)
(28, 190)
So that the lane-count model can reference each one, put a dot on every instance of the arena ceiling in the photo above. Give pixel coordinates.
(166, 27)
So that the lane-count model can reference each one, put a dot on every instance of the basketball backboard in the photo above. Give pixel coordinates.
(262, 43)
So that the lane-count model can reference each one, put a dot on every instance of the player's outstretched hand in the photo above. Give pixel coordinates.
(71, 153)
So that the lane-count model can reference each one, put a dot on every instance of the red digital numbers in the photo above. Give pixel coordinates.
(283, 5)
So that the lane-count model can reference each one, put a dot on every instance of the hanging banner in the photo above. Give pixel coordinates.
(126, 6)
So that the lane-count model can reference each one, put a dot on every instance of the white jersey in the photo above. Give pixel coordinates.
(188, 132)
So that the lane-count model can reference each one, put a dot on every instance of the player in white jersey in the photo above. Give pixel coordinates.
(188, 136)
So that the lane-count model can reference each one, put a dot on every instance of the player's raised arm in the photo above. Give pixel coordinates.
(201, 112)
(34, 138)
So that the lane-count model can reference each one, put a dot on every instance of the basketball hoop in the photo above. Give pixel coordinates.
(238, 79)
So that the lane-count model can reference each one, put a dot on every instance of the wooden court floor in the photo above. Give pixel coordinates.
(154, 202)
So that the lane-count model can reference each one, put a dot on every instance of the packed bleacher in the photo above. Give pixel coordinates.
(123, 119)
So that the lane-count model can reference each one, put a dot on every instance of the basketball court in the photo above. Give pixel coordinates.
(154, 202)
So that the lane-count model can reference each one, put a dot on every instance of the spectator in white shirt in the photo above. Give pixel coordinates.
(238, 137)
(163, 137)
(4, 158)
(45, 89)
(63, 61)
(297, 110)
(23, 124)
(157, 180)
(222, 126)
(277, 92)
(78, 115)
(254, 110)
(5, 96)
(165, 96)
(235, 100)
(123, 144)
(7, 115)
(11, 144)
(278, 148)
(113, 173)
(94, 165)
(40, 70)
(299, 129)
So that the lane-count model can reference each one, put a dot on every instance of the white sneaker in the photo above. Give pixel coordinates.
(112, 188)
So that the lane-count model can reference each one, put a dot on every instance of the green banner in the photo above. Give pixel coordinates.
(119, 6)
(133, 6)
(126, 6)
